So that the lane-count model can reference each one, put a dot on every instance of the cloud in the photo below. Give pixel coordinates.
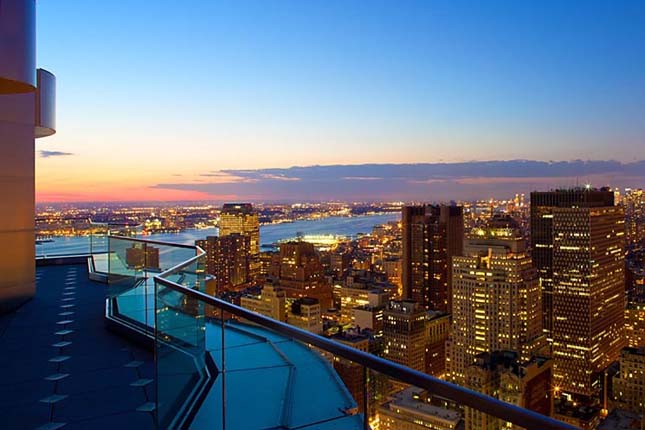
(49, 154)
(421, 181)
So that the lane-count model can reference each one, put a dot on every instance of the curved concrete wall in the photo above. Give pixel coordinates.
(20, 121)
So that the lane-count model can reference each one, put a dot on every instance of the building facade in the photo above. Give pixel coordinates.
(404, 333)
(228, 259)
(432, 236)
(240, 218)
(496, 299)
(588, 295)
(543, 203)
(501, 374)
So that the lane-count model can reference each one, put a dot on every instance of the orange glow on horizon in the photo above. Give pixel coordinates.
(125, 195)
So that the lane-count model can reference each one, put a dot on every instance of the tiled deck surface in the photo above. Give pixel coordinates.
(59, 364)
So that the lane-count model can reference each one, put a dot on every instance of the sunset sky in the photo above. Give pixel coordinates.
(171, 100)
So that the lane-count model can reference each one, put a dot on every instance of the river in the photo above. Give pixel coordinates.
(269, 234)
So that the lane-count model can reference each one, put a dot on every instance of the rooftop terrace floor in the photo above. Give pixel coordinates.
(61, 368)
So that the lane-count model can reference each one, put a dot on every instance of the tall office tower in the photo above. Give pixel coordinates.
(432, 236)
(27, 111)
(240, 218)
(542, 207)
(503, 375)
(297, 269)
(588, 294)
(634, 203)
(404, 333)
(496, 298)
(228, 260)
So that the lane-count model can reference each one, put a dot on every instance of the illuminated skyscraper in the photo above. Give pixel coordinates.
(240, 218)
(588, 294)
(228, 260)
(496, 298)
(542, 207)
(432, 235)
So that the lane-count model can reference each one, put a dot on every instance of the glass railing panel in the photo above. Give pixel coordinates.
(181, 361)
(56, 246)
(98, 238)
(132, 263)
(69, 237)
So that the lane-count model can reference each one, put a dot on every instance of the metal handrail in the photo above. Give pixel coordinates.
(517, 415)
(153, 242)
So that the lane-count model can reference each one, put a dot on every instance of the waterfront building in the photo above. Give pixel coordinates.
(432, 236)
(496, 298)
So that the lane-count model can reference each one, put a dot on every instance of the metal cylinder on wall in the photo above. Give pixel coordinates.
(26, 112)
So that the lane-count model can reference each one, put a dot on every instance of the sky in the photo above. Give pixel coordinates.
(172, 100)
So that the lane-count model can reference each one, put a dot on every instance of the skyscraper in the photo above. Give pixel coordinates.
(543, 204)
(578, 249)
(496, 298)
(432, 236)
(228, 260)
(240, 218)
(588, 295)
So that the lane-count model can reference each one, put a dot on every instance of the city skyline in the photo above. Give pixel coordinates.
(274, 87)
